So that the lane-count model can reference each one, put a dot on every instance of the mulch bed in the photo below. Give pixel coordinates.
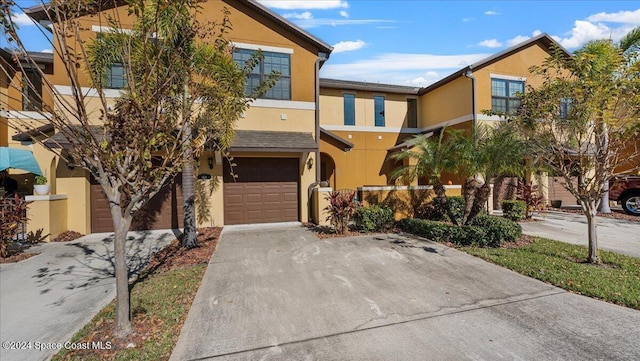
(67, 236)
(175, 256)
(17, 257)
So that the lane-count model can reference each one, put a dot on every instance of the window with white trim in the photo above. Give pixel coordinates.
(271, 61)
(504, 95)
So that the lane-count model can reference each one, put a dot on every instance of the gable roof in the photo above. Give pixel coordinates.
(39, 13)
(543, 39)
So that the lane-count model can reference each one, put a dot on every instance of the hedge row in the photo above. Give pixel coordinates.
(374, 218)
(485, 231)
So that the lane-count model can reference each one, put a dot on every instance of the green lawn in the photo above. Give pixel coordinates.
(616, 280)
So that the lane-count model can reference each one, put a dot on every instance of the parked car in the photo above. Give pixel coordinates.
(626, 190)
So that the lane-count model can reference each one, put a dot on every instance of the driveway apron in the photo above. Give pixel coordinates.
(280, 293)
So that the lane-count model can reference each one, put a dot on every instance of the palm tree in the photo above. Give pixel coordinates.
(427, 159)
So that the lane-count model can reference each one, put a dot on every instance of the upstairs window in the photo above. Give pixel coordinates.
(504, 95)
(565, 108)
(271, 61)
(32, 90)
(349, 109)
(412, 113)
(116, 77)
(378, 110)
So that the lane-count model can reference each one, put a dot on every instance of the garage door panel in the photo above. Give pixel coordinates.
(266, 190)
(163, 211)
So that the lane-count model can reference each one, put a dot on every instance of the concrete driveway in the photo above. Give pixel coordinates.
(49, 297)
(283, 294)
(617, 235)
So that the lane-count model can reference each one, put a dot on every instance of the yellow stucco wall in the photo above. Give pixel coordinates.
(263, 118)
(448, 102)
(366, 163)
(48, 214)
(332, 108)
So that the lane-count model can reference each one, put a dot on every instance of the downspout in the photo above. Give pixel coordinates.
(322, 57)
(474, 117)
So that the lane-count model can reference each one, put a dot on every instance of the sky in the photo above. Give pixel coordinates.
(417, 42)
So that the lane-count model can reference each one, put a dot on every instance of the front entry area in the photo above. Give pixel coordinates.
(264, 191)
(163, 211)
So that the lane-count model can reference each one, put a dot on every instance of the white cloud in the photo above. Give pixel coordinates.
(50, 51)
(490, 43)
(517, 40)
(537, 32)
(312, 23)
(304, 4)
(299, 16)
(429, 77)
(584, 31)
(625, 17)
(22, 19)
(400, 68)
(343, 46)
(344, 13)
(491, 12)
(466, 20)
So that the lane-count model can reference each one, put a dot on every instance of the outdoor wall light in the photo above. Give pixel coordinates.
(210, 162)
(310, 163)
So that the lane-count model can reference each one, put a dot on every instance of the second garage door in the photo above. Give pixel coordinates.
(265, 191)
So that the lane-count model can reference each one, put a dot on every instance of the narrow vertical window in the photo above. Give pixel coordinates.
(32, 93)
(412, 113)
(349, 109)
(116, 77)
(378, 110)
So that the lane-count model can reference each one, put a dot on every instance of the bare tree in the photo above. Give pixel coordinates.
(135, 146)
(583, 122)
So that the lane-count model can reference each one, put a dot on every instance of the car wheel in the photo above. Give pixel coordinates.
(631, 203)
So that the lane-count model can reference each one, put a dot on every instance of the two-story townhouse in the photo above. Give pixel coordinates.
(276, 145)
(368, 122)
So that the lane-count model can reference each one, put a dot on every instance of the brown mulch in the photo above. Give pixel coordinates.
(175, 256)
(615, 214)
(520, 242)
(17, 257)
(67, 236)
(328, 232)
(170, 257)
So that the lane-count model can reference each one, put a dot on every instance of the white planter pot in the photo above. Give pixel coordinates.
(41, 189)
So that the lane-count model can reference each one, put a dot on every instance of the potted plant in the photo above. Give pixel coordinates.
(556, 203)
(41, 186)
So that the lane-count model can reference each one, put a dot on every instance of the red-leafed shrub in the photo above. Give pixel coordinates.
(342, 206)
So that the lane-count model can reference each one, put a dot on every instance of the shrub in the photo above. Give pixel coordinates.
(529, 193)
(514, 210)
(341, 208)
(498, 230)
(13, 211)
(40, 180)
(486, 231)
(434, 211)
(374, 218)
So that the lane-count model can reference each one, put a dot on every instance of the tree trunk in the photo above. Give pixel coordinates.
(469, 190)
(123, 303)
(591, 213)
(441, 198)
(481, 198)
(189, 239)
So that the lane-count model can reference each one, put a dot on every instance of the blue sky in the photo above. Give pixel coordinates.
(413, 42)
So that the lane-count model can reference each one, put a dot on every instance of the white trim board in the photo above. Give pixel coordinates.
(273, 49)
(88, 92)
(507, 77)
(285, 104)
(372, 129)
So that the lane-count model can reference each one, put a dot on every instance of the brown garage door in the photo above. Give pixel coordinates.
(163, 211)
(265, 191)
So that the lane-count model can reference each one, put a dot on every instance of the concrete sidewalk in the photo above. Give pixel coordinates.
(49, 297)
(617, 235)
(284, 294)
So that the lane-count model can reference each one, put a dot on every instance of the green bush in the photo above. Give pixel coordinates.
(498, 230)
(374, 218)
(433, 211)
(514, 210)
(486, 231)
